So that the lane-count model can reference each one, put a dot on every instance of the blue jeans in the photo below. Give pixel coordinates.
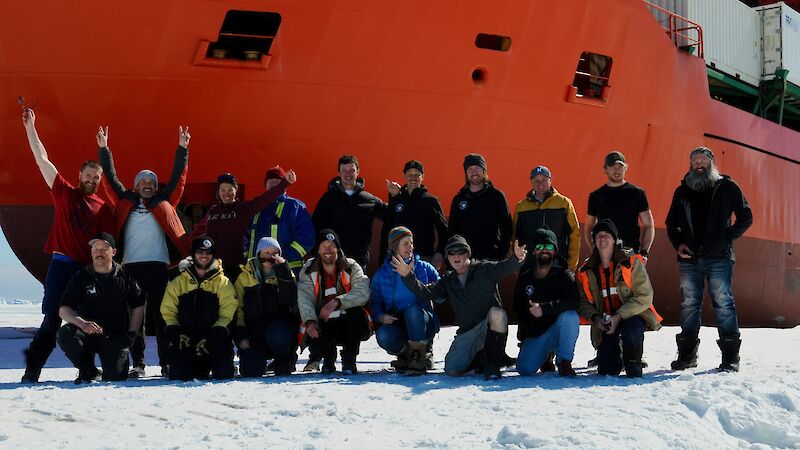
(280, 341)
(59, 272)
(413, 324)
(719, 273)
(560, 338)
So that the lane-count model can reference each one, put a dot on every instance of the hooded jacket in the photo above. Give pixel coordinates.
(636, 294)
(726, 199)
(162, 204)
(350, 216)
(557, 213)
(262, 300)
(287, 221)
(482, 218)
(388, 293)
(420, 212)
(555, 293)
(196, 304)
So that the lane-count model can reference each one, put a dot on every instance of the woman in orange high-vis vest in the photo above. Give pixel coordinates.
(617, 297)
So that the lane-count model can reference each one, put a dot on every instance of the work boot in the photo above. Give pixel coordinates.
(33, 367)
(417, 364)
(312, 366)
(632, 360)
(282, 368)
(349, 363)
(88, 375)
(730, 353)
(687, 352)
(401, 363)
(494, 349)
(565, 369)
(136, 371)
(548, 365)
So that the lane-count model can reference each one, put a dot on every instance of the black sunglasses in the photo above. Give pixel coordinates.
(457, 252)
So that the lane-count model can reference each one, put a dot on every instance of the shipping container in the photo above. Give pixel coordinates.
(731, 34)
(781, 43)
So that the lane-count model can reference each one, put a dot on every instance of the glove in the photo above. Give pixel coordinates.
(213, 342)
(177, 338)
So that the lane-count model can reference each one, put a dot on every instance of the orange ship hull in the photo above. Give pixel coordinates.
(390, 82)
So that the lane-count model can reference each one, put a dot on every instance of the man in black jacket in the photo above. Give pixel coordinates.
(103, 307)
(471, 288)
(699, 227)
(546, 300)
(420, 211)
(479, 213)
(349, 210)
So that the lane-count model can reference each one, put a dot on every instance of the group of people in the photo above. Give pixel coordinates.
(261, 278)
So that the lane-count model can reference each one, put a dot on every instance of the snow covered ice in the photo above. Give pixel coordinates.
(700, 408)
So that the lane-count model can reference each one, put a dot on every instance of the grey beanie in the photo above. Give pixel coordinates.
(267, 242)
(702, 151)
(144, 174)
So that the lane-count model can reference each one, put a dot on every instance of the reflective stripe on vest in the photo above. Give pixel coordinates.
(298, 248)
(252, 245)
(344, 277)
(627, 278)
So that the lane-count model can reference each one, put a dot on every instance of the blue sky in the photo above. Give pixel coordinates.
(15, 281)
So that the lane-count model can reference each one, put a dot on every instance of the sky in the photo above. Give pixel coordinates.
(15, 281)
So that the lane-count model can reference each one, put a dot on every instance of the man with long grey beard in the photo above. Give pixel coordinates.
(699, 227)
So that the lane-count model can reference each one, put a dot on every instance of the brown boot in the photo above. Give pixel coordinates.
(565, 369)
(417, 363)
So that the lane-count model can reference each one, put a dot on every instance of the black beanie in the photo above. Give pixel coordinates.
(456, 243)
(203, 243)
(608, 226)
(329, 235)
(544, 236)
(413, 164)
(474, 159)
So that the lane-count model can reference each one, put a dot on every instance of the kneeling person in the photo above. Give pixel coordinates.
(407, 321)
(198, 306)
(96, 305)
(545, 300)
(333, 288)
(471, 289)
(617, 297)
(267, 318)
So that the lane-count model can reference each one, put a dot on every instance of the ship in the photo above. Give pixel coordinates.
(299, 83)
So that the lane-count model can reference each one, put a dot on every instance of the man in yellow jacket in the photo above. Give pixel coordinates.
(545, 207)
(198, 306)
(617, 298)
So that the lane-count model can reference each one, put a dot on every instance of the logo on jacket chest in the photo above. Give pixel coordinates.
(463, 205)
(399, 208)
(529, 290)
(91, 290)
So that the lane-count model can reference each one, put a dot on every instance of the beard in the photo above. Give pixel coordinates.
(206, 266)
(85, 189)
(699, 182)
(544, 259)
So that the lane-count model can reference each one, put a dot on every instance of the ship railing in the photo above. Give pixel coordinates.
(685, 34)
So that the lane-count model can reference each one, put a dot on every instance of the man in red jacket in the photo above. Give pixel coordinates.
(151, 235)
(79, 215)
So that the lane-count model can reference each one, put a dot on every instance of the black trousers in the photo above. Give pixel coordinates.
(152, 279)
(185, 365)
(348, 330)
(279, 340)
(81, 348)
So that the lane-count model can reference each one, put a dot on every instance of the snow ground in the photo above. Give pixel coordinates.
(756, 408)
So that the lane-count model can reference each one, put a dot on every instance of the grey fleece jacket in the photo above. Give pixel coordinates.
(471, 303)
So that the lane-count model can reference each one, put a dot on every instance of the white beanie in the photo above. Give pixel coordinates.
(144, 174)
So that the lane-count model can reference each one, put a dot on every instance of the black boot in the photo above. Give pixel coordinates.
(349, 360)
(687, 352)
(494, 349)
(632, 360)
(401, 363)
(548, 365)
(730, 353)
(33, 366)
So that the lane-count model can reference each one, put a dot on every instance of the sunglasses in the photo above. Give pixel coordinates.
(548, 247)
(457, 253)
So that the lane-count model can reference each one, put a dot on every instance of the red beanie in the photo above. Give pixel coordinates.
(275, 172)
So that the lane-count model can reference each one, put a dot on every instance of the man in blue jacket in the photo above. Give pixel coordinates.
(286, 220)
(407, 321)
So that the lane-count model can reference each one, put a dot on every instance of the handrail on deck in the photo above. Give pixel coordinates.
(677, 28)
